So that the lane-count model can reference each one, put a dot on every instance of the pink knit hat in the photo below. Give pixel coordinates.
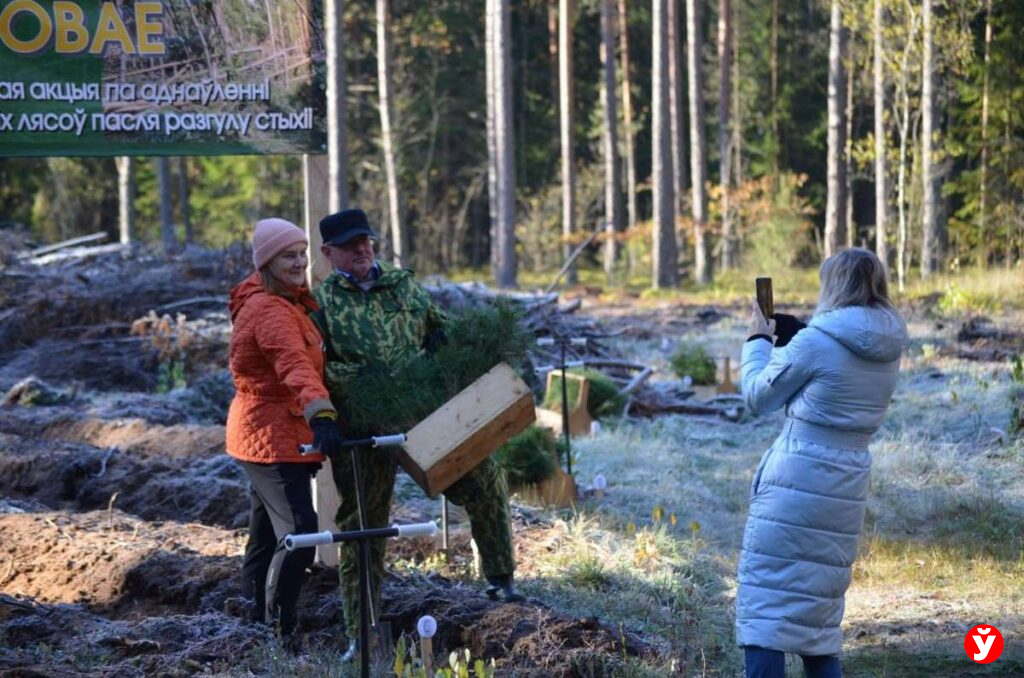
(271, 236)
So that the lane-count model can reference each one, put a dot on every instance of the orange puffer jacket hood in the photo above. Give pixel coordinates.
(277, 363)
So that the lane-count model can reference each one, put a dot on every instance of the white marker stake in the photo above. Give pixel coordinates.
(599, 484)
(427, 627)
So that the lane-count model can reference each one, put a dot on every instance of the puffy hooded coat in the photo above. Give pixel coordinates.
(835, 379)
(277, 361)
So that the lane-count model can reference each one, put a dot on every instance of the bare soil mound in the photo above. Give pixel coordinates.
(175, 473)
(104, 589)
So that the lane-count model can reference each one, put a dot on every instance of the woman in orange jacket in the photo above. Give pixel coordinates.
(276, 358)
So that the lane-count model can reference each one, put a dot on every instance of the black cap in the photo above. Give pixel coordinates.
(339, 228)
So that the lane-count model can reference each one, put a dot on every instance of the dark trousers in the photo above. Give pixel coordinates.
(280, 503)
(765, 663)
(482, 492)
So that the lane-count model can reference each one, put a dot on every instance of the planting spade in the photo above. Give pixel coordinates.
(727, 386)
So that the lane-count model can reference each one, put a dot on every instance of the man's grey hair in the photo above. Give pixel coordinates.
(853, 277)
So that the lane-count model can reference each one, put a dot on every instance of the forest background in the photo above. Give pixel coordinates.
(757, 124)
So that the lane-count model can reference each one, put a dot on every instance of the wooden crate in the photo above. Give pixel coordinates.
(468, 428)
(580, 420)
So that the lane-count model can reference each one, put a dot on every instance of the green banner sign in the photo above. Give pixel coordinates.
(174, 77)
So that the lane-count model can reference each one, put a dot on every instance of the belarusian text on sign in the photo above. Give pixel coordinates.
(176, 77)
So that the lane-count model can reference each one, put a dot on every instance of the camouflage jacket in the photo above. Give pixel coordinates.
(383, 326)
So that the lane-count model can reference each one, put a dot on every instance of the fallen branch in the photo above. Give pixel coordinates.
(572, 257)
(193, 302)
(638, 381)
(73, 242)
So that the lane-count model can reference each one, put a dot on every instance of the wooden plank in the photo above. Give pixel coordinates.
(471, 426)
(326, 503)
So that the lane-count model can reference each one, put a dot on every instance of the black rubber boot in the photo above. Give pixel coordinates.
(501, 587)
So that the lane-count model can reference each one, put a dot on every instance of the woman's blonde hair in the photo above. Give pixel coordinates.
(853, 277)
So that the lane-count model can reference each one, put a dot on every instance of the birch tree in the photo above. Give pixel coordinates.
(930, 235)
(126, 199)
(881, 196)
(399, 238)
(983, 164)
(835, 206)
(337, 149)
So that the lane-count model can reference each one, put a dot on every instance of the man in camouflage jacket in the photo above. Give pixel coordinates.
(373, 313)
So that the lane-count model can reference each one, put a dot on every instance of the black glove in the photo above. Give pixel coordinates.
(433, 341)
(786, 327)
(327, 436)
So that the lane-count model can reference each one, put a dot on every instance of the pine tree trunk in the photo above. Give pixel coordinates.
(676, 46)
(492, 139)
(835, 206)
(163, 184)
(737, 136)
(627, 118)
(930, 237)
(126, 199)
(337, 149)
(901, 187)
(565, 109)
(773, 65)
(506, 268)
(399, 239)
(983, 168)
(881, 203)
(725, 57)
(183, 201)
(663, 256)
(556, 141)
(612, 180)
(698, 144)
(851, 225)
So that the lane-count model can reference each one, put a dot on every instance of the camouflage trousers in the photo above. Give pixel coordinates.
(482, 493)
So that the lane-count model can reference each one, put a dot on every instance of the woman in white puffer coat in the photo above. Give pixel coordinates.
(835, 379)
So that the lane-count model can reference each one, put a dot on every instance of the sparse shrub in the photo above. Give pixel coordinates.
(588, 573)
(960, 300)
(693, 360)
(170, 340)
(777, 218)
(408, 664)
(1017, 369)
(1016, 426)
(528, 457)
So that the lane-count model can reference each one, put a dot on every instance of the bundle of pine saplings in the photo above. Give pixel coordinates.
(394, 399)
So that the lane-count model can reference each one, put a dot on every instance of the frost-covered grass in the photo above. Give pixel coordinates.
(942, 547)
